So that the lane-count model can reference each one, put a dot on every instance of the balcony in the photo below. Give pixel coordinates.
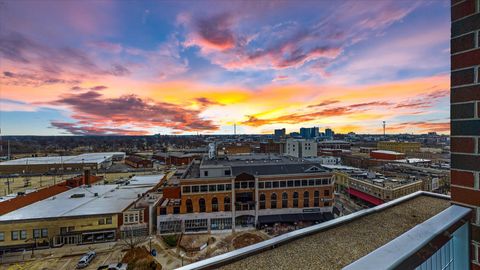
(418, 231)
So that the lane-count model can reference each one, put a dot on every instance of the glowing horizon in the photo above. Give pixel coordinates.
(105, 67)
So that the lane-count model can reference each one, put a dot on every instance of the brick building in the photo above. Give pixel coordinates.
(246, 191)
(138, 162)
(386, 155)
(465, 113)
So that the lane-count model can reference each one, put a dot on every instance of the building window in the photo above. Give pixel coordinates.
(283, 183)
(316, 198)
(44, 232)
(304, 183)
(273, 201)
(108, 220)
(203, 188)
(2, 236)
(221, 187)
(226, 204)
(297, 183)
(261, 185)
(212, 188)
(326, 192)
(189, 206)
(195, 189)
(201, 205)
(23, 234)
(101, 221)
(268, 184)
(244, 184)
(295, 200)
(205, 173)
(227, 172)
(262, 201)
(176, 210)
(326, 204)
(14, 235)
(214, 204)
(290, 183)
(163, 211)
(275, 184)
(186, 189)
(237, 185)
(251, 184)
(306, 198)
(311, 182)
(36, 233)
(228, 186)
(284, 200)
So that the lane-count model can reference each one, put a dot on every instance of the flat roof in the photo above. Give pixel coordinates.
(387, 152)
(337, 247)
(109, 199)
(337, 243)
(83, 158)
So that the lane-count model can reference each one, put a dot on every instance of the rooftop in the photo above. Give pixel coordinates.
(85, 200)
(337, 243)
(83, 158)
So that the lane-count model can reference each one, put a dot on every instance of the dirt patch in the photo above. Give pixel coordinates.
(246, 239)
(140, 258)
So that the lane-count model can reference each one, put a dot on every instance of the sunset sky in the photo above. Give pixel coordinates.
(182, 67)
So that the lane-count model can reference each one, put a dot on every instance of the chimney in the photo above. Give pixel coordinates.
(86, 177)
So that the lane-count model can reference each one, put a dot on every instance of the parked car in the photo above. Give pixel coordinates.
(114, 266)
(86, 259)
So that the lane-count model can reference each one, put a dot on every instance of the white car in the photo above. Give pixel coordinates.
(114, 266)
(86, 259)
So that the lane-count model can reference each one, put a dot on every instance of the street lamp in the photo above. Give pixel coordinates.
(150, 240)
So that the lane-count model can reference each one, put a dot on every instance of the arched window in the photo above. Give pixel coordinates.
(226, 204)
(316, 199)
(214, 204)
(189, 206)
(201, 205)
(306, 199)
(262, 201)
(273, 201)
(295, 199)
(284, 200)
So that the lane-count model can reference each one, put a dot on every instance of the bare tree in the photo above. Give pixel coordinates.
(131, 239)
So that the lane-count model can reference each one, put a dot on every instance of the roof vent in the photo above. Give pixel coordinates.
(77, 195)
(95, 194)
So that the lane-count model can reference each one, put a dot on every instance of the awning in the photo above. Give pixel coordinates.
(364, 196)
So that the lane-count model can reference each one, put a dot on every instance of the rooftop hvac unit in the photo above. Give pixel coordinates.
(77, 195)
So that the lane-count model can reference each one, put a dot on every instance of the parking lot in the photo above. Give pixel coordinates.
(64, 258)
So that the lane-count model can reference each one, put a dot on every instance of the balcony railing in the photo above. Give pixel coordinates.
(442, 242)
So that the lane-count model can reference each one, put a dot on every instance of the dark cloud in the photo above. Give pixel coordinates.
(75, 129)
(93, 109)
(119, 70)
(49, 60)
(324, 103)
(216, 31)
(205, 102)
(94, 88)
(32, 79)
(329, 112)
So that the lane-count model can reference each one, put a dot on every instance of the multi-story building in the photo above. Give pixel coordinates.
(245, 191)
(279, 134)
(372, 187)
(386, 155)
(309, 133)
(138, 162)
(402, 147)
(82, 215)
(272, 147)
(300, 148)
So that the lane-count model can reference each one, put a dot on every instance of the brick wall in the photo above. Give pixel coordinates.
(465, 112)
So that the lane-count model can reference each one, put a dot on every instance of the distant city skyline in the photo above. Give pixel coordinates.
(182, 67)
